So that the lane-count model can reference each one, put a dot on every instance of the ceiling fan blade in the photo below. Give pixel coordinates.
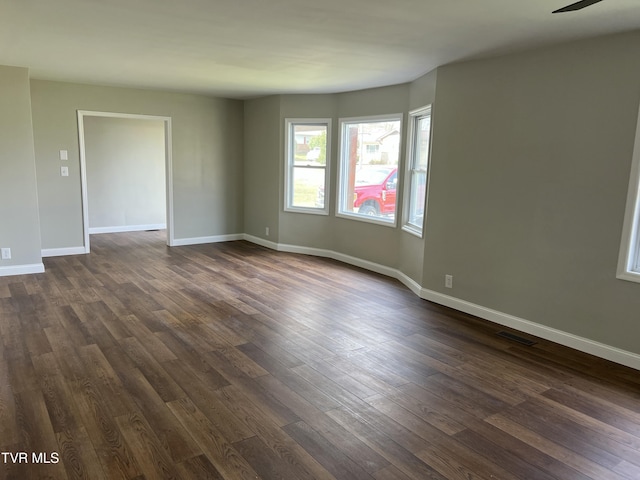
(576, 6)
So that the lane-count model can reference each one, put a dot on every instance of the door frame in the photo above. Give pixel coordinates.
(168, 169)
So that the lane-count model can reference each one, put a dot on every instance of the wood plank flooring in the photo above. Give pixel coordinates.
(231, 361)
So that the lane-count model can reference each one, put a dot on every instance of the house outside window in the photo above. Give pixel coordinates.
(307, 151)
(368, 165)
(417, 170)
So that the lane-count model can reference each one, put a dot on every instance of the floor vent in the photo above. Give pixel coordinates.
(516, 338)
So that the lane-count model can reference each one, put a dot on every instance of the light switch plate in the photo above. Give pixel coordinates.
(64, 155)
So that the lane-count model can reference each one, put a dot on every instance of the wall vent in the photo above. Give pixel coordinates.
(516, 338)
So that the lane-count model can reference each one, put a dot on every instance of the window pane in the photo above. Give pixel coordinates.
(636, 248)
(422, 142)
(417, 199)
(308, 187)
(306, 166)
(418, 170)
(310, 146)
(369, 163)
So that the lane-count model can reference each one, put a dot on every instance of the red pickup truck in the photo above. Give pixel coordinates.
(375, 190)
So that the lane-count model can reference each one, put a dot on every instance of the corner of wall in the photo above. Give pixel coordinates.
(18, 184)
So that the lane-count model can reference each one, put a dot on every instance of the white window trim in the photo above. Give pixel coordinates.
(342, 170)
(414, 115)
(629, 258)
(288, 167)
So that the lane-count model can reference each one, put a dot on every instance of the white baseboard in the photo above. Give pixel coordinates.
(21, 269)
(558, 336)
(60, 252)
(261, 241)
(178, 242)
(127, 228)
(320, 252)
(582, 344)
(410, 283)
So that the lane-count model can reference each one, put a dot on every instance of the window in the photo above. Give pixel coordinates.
(368, 180)
(629, 260)
(373, 148)
(307, 168)
(417, 169)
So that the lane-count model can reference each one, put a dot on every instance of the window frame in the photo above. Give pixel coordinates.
(414, 118)
(343, 168)
(629, 257)
(289, 165)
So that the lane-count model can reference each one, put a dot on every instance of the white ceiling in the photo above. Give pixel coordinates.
(245, 48)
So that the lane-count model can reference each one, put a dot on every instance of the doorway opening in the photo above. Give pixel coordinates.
(117, 202)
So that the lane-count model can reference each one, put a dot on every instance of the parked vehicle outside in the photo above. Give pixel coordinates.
(313, 154)
(375, 191)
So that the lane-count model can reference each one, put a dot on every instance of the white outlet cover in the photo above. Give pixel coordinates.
(64, 171)
(6, 254)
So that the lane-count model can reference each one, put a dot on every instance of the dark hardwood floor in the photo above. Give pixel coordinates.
(231, 361)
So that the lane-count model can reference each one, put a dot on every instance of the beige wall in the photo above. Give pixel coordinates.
(314, 231)
(262, 177)
(530, 168)
(19, 223)
(207, 157)
(422, 93)
(125, 165)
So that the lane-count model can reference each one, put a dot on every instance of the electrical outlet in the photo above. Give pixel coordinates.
(266, 231)
(6, 254)
(448, 281)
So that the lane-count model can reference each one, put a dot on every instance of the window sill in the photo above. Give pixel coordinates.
(415, 231)
(367, 219)
(308, 211)
(629, 276)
